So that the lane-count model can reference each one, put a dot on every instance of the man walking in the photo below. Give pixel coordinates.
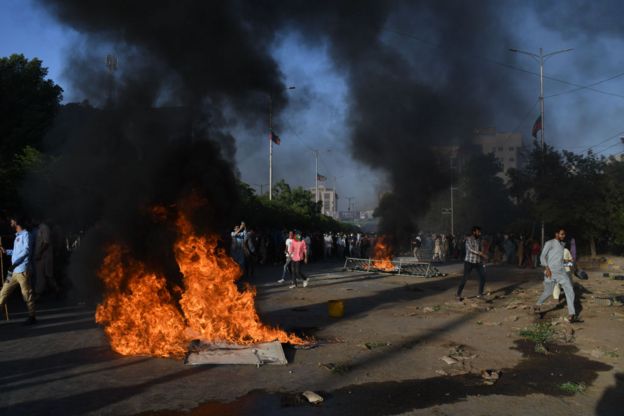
(474, 260)
(19, 269)
(555, 273)
(298, 253)
(287, 265)
(44, 266)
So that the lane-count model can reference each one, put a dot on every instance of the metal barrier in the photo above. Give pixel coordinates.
(412, 268)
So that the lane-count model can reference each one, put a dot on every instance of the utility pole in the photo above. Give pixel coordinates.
(541, 58)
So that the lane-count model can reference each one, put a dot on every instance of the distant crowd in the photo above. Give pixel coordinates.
(500, 248)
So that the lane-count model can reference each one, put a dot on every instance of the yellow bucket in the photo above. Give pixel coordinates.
(335, 308)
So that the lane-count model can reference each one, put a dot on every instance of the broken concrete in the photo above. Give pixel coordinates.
(221, 353)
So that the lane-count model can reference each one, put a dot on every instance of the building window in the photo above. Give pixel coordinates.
(511, 149)
(511, 159)
(500, 149)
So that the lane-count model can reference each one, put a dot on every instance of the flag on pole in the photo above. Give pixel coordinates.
(274, 137)
(537, 126)
(320, 177)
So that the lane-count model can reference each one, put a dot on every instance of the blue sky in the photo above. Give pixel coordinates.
(574, 120)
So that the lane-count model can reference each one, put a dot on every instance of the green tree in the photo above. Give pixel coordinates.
(614, 172)
(586, 207)
(579, 192)
(482, 197)
(289, 208)
(28, 104)
(297, 199)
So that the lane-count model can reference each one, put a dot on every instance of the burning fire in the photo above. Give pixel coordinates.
(383, 256)
(141, 317)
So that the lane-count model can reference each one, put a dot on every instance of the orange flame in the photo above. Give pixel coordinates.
(141, 317)
(383, 255)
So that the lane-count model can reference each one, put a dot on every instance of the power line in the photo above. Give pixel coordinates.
(615, 136)
(612, 146)
(512, 67)
(588, 86)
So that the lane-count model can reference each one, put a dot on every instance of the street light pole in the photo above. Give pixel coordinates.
(541, 58)
(452, 206)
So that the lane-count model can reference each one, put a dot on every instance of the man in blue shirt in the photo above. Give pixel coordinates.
(20, 267)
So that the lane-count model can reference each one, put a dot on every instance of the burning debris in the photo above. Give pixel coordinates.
(382, 258)
(383, 261)
(144, 315)
(407, 267)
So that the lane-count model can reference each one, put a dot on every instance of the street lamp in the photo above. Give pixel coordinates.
(271, 142)
(541, 58)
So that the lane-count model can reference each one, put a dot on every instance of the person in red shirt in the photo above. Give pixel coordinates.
(298, 253)
(535, 251)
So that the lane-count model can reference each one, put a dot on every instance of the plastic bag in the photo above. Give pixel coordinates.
(556, 291)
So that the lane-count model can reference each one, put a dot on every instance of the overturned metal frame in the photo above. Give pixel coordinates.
(412, 268)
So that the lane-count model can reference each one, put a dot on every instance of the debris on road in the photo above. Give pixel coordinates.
(220, 353)
(490, 376)
(449, 360)
(312, 397)
(336, 368)
(374, 345)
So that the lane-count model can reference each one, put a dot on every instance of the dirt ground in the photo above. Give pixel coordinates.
(384, 357)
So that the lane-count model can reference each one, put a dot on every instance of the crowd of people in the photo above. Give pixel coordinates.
(31, 265)
(501, 248)
(250, 246)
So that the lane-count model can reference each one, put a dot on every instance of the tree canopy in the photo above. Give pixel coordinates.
(581, 192)
(289, 208)
(28, 105)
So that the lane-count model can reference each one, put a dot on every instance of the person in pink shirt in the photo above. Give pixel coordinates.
(298, 253)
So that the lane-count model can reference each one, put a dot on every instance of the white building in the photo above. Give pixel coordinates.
(328, 198)
(507, 147)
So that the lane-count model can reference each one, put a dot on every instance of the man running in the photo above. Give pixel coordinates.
(554, 272)
(474, 260)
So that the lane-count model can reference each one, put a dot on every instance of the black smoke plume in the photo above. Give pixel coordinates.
(415, 70)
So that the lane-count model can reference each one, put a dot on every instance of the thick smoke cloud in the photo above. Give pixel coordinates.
(206, 61)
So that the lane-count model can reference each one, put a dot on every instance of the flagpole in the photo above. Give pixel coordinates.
(542, 118)
(316, 156)
(270, 147)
